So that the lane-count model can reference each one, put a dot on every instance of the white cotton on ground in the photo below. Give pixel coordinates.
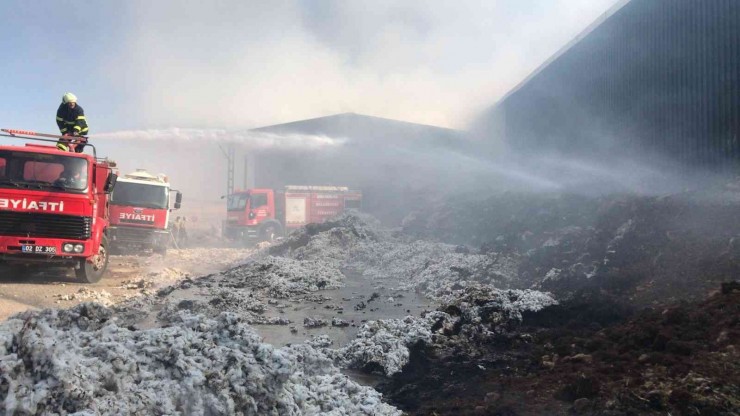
(359, 242)
(482, 311)
(449, 274)
(280, 277)
(480, 303)
(79, 360)
(430, 267)
(385, 343)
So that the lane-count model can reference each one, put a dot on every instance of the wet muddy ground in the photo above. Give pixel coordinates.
(335, 313)
(339, 313)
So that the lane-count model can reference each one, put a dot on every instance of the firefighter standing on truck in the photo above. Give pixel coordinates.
(71, 121)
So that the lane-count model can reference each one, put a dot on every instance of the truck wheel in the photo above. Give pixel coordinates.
(270, 232)
(162, 249)
(92, 271)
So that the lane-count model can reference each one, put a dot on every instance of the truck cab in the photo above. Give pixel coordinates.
(249, 213)
(54, 209)
(140, 211)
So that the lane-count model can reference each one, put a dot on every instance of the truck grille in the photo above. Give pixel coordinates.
(26, 224)
(140, 222)
(134, 234)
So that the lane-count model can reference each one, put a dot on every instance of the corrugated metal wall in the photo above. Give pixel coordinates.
(658, 76)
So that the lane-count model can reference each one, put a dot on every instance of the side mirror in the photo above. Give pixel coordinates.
(110, 183)
(178, 200)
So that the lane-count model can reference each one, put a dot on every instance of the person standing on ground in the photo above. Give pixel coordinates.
(71, 122)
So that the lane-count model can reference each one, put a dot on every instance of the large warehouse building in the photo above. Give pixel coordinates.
(661, 77)
(389, 160)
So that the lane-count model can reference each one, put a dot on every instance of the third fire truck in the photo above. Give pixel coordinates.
(262, 214)
(140, 210)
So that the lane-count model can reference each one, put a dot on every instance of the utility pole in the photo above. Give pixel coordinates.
(230, 153)
(246, 172)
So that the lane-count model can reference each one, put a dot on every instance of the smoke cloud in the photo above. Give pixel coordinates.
(239, 64)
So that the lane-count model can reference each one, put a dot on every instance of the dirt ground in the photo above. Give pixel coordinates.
(127, 276)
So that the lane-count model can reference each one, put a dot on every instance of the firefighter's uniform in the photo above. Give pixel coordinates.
(72, 120)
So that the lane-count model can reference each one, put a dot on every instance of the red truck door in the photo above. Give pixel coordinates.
(261, 206)
(100, 177)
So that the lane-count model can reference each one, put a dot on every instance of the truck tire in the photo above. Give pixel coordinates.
(160, 249)
(270, 232)
(92, 272)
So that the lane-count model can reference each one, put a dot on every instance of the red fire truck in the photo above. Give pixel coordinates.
(263, 214)
(140, 210)
(54, 207)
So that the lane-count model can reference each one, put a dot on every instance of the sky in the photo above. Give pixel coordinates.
(237, 64)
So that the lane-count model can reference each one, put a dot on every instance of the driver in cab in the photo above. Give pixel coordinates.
(73, 176)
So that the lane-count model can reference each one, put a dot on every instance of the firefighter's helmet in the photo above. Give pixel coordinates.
(69, 98)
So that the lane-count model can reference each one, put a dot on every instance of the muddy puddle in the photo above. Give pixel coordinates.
(339, 313)
(336, 313)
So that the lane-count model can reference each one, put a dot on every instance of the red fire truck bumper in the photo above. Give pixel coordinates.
(34, 249)
(138, 237)
(241, 232)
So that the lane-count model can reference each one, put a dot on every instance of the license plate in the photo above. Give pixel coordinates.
(39, 249)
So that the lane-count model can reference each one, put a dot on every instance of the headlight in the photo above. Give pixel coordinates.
(79, 248)
(68, 247)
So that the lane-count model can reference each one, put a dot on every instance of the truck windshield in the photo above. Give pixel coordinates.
(237, 202)
(43, 171)
(140, 195)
